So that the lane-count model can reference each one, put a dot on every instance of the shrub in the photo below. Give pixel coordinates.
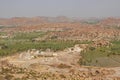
(91, 48)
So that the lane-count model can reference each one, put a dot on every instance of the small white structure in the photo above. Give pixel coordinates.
(76, 48)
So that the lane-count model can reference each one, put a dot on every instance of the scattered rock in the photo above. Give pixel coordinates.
(25, 56)
(100, 43)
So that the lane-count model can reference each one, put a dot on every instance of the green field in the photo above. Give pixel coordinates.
(23, 41)
(102, 56)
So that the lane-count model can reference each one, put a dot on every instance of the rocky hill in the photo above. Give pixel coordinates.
(70, 31)
(18, 21)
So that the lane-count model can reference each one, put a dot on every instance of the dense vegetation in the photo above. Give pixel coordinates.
(102, 56)
(23, 41)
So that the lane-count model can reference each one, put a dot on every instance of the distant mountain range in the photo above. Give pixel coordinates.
(23, 21)
(16, 21)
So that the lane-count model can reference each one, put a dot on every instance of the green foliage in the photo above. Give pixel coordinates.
(115, 49)
(28, 36)
(15, 47)
(102, 56)
(92, 48)
(23, 41)
(2, 33)
(2, 27)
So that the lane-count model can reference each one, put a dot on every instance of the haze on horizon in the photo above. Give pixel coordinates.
(70, 8)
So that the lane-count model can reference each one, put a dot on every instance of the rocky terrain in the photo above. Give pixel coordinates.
(70, 31)
(55, 48)
(65, 28)
(48, 65)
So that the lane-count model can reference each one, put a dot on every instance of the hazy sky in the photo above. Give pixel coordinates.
(70, 8)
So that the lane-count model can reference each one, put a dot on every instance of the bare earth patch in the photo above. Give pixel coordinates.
(62, 65)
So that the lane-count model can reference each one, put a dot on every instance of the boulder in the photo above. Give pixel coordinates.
(25, 56)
